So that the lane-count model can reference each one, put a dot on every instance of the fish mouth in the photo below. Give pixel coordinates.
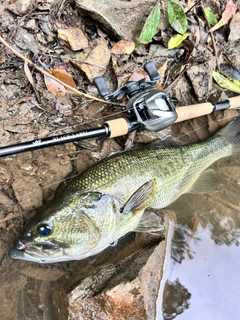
(42, 253)
(18, 250)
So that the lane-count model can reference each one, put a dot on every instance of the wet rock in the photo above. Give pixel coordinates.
(21, 7)
(31, 25)
(234, 27)
(45, 26)
(73, 38)
(28, 192)
(94, 61)
(124, 19)
(25, 40)
(127, 290)
(201, 78)
(63, 105)
(157, 50)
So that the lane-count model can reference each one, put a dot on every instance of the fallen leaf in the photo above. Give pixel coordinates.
(212, 18)
(123, 47)
(28, 73)
(177, 17)
(138, 75)
(64, 76)
(30, 79)
(228, 13)
(176, 40)
(150, 26)
(54, 87)
(223, 82)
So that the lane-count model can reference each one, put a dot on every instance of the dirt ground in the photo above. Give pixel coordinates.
(28, 180)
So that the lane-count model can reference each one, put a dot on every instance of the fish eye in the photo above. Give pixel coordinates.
(44, 230)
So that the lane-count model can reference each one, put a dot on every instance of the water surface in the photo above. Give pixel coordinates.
(201, 273)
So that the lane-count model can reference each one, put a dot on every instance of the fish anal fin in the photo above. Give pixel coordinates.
(141, 198)
(151, 221)
(207, 182)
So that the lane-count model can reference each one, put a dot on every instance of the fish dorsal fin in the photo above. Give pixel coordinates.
(150, 222)
(140, 199)
(207, 182)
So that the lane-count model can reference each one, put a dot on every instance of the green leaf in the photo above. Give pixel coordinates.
(212, 18)
(177, 17)
(176, 40)
(150, 26)
(223, 82)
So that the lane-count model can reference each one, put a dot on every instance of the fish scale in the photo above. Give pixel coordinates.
(178, 166)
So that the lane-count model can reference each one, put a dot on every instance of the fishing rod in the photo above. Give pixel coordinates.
(147, 107)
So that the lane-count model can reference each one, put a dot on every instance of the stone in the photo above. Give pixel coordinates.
(21, 7)
(201, 79)
(30, 196)
(124, 19)
(234, 26)
(25, 40)
(94, 61)
(73, 38)
(127, 290)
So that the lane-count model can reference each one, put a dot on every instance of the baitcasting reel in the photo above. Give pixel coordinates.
(149, 107)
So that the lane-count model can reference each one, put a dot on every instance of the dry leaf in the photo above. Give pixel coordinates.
(30, 79)
(57, 88)
(54, 87)
(138, 75)
(28, 73)
(123, 47)
(228, 13)
(64, 77)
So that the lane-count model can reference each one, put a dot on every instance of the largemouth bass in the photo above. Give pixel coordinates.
(110, 199)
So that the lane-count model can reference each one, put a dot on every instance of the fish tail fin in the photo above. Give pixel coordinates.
(231, 134)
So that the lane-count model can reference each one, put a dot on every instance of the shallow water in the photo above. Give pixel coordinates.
(201, 277)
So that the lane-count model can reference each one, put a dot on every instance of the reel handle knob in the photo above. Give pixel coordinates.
(151, 70)
(101, 86)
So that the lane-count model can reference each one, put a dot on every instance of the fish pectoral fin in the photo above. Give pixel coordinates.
(207, 182)
(151, 221)
(141, 198)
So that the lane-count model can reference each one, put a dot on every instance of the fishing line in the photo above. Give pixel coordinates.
(66, 128)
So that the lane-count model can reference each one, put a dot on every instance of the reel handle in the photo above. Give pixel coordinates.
(101, 86)
(131, 88)
(151, 70)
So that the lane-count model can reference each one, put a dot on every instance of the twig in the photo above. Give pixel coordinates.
(169, 87)
(212, 36)
(60, 8)
(225, 202)
(194, 5)
(50, 75)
